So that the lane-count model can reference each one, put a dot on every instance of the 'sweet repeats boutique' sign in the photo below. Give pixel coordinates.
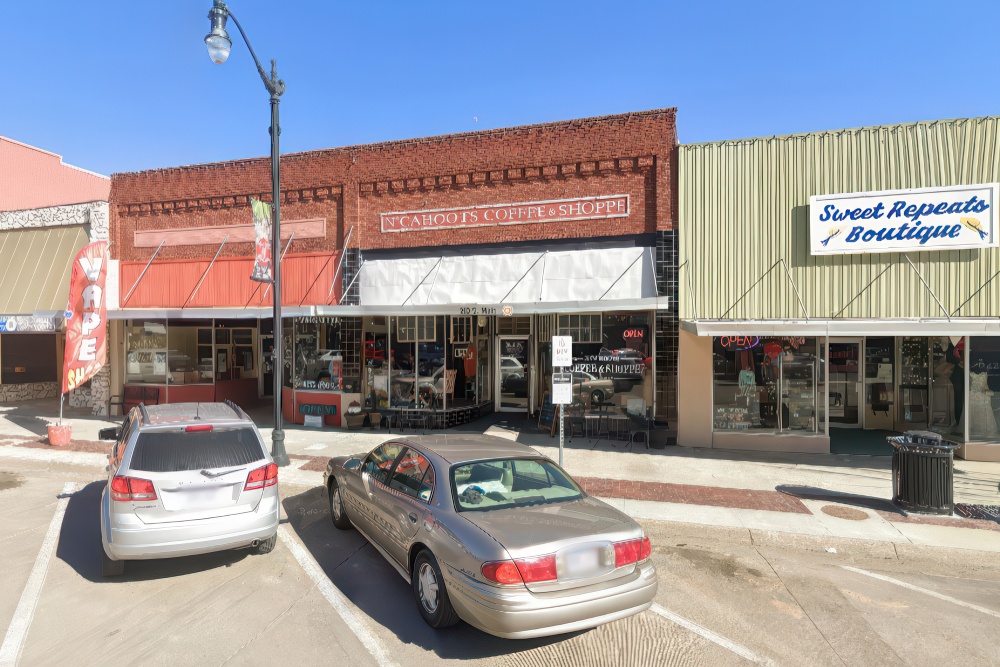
(954, 218)
(490, 215)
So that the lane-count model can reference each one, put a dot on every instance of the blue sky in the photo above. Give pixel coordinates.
(120, 86)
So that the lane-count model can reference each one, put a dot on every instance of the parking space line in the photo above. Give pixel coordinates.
(17, 631)
(344, 607)
(727, 644)
(925, 591)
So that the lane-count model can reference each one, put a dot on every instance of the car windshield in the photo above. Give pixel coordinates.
(174, 451)
(506, 483)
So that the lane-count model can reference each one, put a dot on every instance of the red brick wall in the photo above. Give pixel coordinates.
(628, 153)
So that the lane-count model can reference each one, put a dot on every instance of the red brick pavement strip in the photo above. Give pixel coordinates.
(688, 494)
(91, 446)
(957, 522)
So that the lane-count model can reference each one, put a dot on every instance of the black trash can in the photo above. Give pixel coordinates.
(922, 472)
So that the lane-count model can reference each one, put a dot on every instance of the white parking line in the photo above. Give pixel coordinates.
(344, 607)
(741, 651)
(918, 589)
(13, 642)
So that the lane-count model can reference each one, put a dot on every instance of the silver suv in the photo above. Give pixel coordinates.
(184, 479)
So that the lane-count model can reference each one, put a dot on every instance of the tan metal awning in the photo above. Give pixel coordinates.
(35, 267)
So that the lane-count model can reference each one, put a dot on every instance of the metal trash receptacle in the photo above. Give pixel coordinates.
(922, 472)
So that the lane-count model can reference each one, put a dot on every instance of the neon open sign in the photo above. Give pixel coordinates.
(634, 333)
(739, 342)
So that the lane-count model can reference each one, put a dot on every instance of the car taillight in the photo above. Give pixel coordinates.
(133, 489)
(646, 550)
(502, 572)
(522, 570)
(627, 553)
(542, 568)
(262, 477)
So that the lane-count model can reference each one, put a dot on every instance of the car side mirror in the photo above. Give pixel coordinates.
(352, 464)
(110, 433)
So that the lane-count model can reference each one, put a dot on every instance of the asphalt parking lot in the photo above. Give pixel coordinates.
(324, 595)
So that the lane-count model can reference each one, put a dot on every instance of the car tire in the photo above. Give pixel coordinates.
(597, 396)
(429, 591)
(111, 568)
(266, 546)
(338, 512)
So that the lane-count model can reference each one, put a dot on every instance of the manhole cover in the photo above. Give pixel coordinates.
(844, 512)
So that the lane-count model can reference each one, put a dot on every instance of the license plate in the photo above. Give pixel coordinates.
(195, 498)
(582, 563)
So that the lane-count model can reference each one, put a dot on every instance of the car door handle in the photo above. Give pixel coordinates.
(413, 517)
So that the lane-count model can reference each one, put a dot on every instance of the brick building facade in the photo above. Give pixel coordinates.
(193, 223)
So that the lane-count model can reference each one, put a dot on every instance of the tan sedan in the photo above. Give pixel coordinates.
(490, 532)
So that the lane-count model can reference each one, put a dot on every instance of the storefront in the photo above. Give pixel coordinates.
(422, 276)
(48, 212)
(860, 297)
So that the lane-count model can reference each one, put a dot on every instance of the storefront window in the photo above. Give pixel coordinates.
(612, 364)
(768, 384)
(376, 366)
(27, 357)
(319, 360)
(984, 387)
(947, 400)
(189, 362)
(146, 352)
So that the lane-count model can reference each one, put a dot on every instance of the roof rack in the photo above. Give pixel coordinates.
(145, 414)
(237, 409)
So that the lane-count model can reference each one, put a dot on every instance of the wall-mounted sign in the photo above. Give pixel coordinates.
(952, 218)
(492, 215)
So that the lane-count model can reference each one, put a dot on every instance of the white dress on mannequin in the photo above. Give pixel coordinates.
(982, 420)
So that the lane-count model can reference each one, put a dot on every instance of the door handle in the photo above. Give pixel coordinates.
(413, 517)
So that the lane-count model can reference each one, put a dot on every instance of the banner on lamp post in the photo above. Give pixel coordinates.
(86, 316)
(262, 224)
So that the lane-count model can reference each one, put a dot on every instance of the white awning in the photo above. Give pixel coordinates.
(966, 326)
(530, 282)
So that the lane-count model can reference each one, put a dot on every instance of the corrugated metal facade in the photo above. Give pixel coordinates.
(744, 206)
(35, 267)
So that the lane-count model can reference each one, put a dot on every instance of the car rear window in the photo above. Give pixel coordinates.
(506, 483)
(171, 451)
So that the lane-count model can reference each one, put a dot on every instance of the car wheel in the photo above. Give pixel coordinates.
(266, 546)
(597, 396)
(111, 568)
(428, 588)
(338, 513)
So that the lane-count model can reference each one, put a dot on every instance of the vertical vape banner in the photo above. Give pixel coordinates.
(262, 234)
(86, 314)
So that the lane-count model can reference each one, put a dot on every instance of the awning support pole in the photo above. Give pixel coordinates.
(205, 275)
(421, 281)
(354, 279)
(541, 283)
(629, 268)
(340, 264)
(694, 305)
(973, 295)
(796, 289)
(523, 276)
(434, 281)
(863, 290)
(927, 287)
(757, 282)
(129, 295)
(652, 266)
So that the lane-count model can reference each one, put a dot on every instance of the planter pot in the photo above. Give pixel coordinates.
(59, 436)
(354, 421)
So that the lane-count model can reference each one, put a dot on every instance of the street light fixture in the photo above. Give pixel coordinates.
(219, 45)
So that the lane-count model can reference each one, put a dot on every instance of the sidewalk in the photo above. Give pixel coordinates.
(842, 498)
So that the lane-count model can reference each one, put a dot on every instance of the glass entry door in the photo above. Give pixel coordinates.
(513, 374)
(845, 395)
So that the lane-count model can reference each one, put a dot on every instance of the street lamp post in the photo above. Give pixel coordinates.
(219, 45)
